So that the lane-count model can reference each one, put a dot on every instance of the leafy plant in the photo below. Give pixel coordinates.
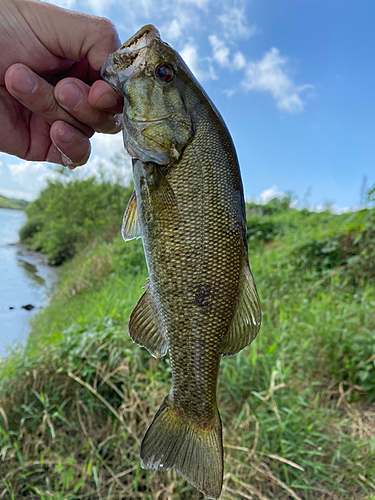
(69, 214)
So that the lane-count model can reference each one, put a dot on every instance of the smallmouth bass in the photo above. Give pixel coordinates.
(201, 301)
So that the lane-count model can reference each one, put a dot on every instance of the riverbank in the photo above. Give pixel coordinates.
(39, 262)
(297, 406)
(26, 282)
(12, 203)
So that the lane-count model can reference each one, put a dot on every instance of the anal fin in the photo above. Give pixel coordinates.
(246, 320)
(145, 326)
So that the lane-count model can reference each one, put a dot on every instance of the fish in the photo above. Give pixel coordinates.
(200, 302)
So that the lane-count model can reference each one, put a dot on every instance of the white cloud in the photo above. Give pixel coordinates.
(139, 11)
(66, 4)
(102, 7)
(106, 145)
(25, 179)
(229, 92)
(201, 4)
(189, 54)
(331, 207)
(98, 6)
(30, 176)
(221, 54)
(268, 75)
(239, 60)
(184, 20)
(268, 194)
(220, 51)
(172, 30)
(235, 24)
(105, 148)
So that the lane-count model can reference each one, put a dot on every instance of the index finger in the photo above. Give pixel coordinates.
(72, 35)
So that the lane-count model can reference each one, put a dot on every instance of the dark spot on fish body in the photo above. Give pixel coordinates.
(202, 295)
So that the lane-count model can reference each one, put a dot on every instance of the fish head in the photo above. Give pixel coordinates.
(145, 71)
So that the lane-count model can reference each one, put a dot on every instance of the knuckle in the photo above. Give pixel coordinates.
(48, 106)
(106, 27)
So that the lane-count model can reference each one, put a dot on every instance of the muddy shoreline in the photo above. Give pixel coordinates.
(39, 261)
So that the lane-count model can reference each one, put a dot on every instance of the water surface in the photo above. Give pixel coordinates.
(24, 279)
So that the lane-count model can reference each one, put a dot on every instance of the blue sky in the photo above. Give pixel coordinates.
(293, 79)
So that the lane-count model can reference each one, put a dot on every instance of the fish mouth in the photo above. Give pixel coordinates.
(129, 56)
(140, 40)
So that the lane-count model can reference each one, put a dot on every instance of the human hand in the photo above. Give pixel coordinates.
(44, 45)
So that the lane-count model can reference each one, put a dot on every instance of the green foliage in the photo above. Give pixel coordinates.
(259, 229)
(297, 406)
(262, 225)
(272, 207)
(12, 203)
(351, 247)
(69, 214)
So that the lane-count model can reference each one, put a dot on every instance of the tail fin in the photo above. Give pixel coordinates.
(195, 452)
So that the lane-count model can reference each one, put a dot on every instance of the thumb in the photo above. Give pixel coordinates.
(72, 35)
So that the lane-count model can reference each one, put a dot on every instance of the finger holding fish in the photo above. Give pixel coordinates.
(97, 107)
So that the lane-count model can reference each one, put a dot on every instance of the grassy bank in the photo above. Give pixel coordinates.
(12, 203)
(297, 406)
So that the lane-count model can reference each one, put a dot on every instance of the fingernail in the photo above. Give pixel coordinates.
(25, 82)
(65, 133)
(116, 121)
(106, 101)
(69, 95)
(65, 159)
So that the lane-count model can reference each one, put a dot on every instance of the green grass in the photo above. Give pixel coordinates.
(297, 406)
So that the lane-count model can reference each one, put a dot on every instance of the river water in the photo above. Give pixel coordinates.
(25, 278)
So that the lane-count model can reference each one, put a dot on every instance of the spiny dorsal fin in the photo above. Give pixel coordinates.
(246, 320)
(145, 327)
(130, 225)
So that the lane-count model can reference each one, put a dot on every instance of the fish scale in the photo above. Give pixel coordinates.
(200, 302)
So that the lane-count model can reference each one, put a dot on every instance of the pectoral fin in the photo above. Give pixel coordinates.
(145, 326)
(130, 225)
(246, 320)
(161, 192)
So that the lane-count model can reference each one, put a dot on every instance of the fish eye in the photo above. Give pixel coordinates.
(164, 72)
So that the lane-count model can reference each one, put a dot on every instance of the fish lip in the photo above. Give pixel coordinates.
(129, 57)
(136, 44)
(140, 40)
(113, 77)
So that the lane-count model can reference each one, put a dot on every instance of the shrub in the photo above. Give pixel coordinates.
(68, 215)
